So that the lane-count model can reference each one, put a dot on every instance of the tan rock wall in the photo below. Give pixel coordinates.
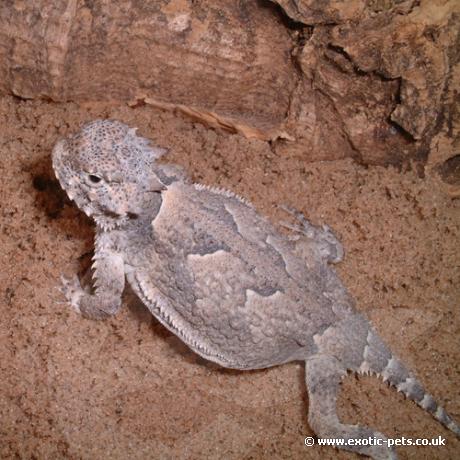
(322, 79)
(230, 58)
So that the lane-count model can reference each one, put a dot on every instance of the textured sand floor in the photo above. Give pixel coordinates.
(126, 388)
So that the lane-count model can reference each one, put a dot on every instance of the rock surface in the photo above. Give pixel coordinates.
(303, 75)
(327, 79)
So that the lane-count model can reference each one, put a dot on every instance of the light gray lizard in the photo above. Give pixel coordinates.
(221, 277)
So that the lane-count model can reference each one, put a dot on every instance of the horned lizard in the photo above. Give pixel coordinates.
(221, 277)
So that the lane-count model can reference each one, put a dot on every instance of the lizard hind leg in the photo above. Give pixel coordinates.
(324, 374)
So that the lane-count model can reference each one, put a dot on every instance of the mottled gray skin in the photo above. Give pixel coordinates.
(221, 277)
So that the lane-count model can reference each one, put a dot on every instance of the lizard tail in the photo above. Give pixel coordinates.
(378, 359)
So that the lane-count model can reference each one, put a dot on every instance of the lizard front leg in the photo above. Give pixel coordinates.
(319, 240)
(108, 283)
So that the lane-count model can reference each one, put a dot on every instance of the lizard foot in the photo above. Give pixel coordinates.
(72, 291)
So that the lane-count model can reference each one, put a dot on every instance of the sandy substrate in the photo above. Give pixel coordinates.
(126, 388)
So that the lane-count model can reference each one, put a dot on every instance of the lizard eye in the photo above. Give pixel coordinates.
(94, 179)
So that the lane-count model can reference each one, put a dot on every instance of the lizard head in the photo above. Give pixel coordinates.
(107, 170)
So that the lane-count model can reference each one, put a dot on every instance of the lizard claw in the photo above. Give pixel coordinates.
(306, 228)
(72, 291)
